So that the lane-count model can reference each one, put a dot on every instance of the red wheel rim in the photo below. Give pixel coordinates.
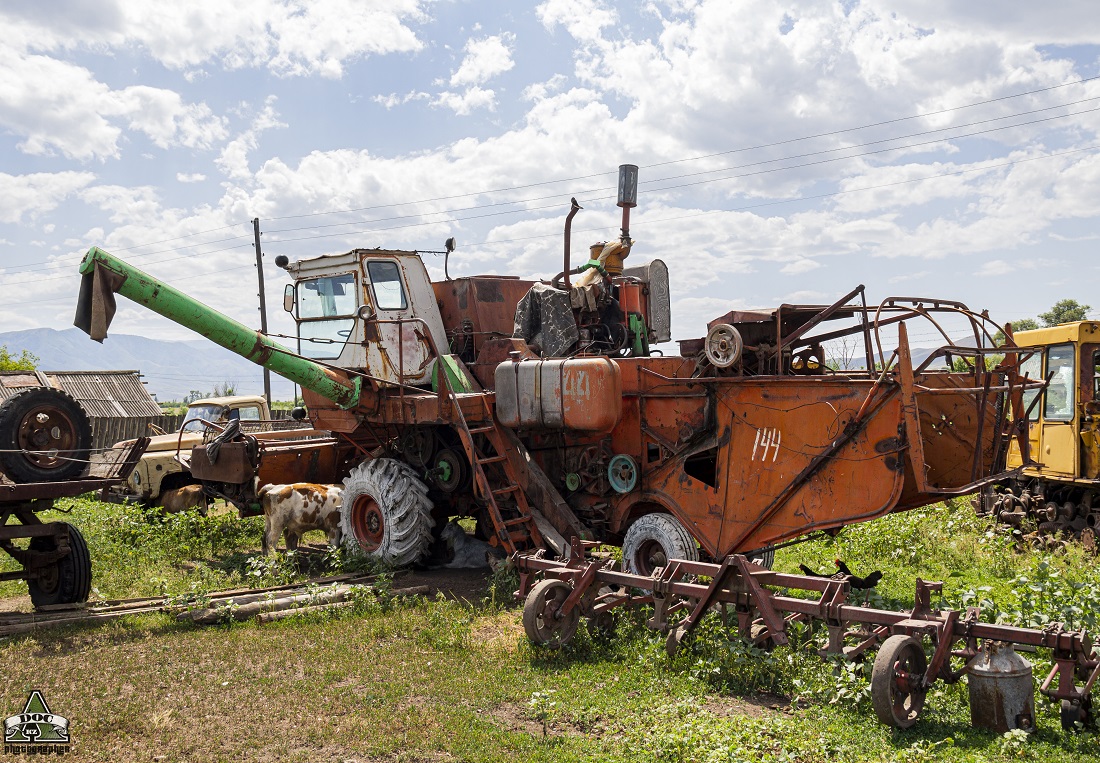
(47, 436)
(368, 523)
(649, 556)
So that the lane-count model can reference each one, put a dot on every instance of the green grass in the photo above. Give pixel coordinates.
(440, 680)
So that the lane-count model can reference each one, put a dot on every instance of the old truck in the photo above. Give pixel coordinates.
(45, 454)
(1057, 486)
(542, 410)
(163, 469)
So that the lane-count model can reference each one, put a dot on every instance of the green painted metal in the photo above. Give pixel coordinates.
(223, 330)
(456, 380)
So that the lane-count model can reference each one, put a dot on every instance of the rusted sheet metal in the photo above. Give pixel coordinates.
(480, 307)
(768, 433)
(494, 351)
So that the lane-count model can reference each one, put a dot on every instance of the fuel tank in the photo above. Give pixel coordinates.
(582, 394)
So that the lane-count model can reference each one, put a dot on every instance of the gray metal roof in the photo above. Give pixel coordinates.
(102, 394)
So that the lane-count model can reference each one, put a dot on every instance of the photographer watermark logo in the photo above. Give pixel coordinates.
(36, 731)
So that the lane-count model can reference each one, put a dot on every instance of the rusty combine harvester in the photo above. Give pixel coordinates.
(540, 410)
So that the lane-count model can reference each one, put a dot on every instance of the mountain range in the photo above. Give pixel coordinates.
(170, 369)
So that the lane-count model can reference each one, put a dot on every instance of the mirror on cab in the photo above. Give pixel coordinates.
(288, 298)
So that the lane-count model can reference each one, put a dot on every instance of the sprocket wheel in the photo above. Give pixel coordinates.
(386, 513)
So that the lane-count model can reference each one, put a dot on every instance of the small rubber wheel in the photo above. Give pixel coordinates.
(1077, 714)
(543, 620)
(896, 681)
(66, 581)
(655, 539)
(45, 436)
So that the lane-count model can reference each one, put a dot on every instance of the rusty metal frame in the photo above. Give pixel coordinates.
(748, 586)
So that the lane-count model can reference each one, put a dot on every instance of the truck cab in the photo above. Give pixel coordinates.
(159, 470)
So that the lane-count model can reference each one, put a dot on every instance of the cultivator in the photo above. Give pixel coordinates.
(1000, 685)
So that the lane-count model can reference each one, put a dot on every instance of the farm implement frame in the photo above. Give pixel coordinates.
(557, 593)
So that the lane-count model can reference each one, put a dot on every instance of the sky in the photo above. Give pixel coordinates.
(788, 151)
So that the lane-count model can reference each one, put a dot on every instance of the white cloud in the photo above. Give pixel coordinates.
(799, 266)
(468, 101)
(584, 19)
(484, 59)
(37, 193)
(233, 160)
(60, 107)
(190, 177)
(288, 37)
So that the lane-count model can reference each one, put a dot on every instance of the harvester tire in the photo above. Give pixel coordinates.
(655, 539)
(386, 513)
(66, 581)
(45, 436)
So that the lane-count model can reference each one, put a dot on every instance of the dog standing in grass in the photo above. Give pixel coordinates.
(292, 510)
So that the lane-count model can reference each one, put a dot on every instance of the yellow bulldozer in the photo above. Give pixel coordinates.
(1057, 485)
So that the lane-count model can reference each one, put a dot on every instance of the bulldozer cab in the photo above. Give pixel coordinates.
(368, 310)
(1064, 418)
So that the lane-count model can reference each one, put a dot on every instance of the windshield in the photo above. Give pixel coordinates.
(214, 413)
(327, 297)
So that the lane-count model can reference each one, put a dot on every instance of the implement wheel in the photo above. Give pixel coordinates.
(386, 513)
(543, 620)
(66, 581)
(897, 692)
(45, 436)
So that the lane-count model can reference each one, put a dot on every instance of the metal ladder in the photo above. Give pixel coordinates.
(513, 533)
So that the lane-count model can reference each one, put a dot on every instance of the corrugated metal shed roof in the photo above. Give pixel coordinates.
(100, 393)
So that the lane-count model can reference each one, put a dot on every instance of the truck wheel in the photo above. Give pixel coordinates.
(45, 436)
(655, 539)
(66, 581)
(386, 513)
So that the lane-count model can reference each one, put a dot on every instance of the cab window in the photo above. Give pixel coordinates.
(1059, 395)
(1032, 368)
(327, 297)
(385, 279)
(1096, 375)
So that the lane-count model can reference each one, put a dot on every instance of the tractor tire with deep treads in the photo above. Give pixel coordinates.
(655, 539)
(66, 581)
(45, 436)
(386, 513)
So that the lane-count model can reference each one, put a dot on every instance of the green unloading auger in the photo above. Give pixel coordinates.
(105, 275)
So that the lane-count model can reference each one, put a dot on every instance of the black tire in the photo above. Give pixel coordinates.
(69, 579)
(655, 539)
(386, 513)
(45, 436)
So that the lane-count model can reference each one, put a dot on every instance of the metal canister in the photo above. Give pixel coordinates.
(1002, 689)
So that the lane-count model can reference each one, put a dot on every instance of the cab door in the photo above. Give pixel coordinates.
(404, 320)
(1032, 369)
(1059, 438)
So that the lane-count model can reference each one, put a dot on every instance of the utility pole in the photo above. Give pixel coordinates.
(263, 303)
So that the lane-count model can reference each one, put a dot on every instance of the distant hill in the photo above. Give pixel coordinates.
(171, 369)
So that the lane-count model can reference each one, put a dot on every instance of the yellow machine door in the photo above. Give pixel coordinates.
(1058, 446)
